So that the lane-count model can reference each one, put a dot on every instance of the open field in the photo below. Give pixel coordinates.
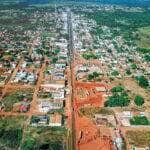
(144, 37)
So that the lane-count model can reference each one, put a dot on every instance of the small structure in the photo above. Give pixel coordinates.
(39, 120)
(46, 106)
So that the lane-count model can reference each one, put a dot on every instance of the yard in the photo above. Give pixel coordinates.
(17, 97)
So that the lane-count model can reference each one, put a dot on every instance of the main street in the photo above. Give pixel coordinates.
(71, 59)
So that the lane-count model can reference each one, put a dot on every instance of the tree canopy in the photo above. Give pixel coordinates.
(139, 120)
(119, 98)
(143, 82)
(139, 100)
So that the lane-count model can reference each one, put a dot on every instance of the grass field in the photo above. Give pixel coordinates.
(144, 37)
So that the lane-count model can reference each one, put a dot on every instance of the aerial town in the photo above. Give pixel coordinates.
(74, 77)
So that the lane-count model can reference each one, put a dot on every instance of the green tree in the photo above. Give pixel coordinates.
(117, 89)
(134, 66)
(117, 101)
(139, 120)
(89, 56)
(56, 51)
(143, 82)
(95, 74)
(54, 60)
(147, 57)
(90, 77)
(115, 73)
(139, 100)
(128, 72)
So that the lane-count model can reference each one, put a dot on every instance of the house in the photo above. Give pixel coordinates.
(39, 120)
(52, 85)
(58, 75)
(59, 95)
(46, 106)
(24, 106)
(60, 65)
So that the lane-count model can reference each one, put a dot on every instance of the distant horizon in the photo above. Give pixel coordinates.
(130, 3)
(136, 3)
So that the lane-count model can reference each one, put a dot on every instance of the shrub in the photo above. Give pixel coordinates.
(89, 56)
(139, 120)
(134, 66)
(143, 82)
(92, 76)
(115, 73)
(147, 57)
(128, 72)
(139, 100)
(117, 89)
(56, 51)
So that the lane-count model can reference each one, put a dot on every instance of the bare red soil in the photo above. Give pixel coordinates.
(88, 136)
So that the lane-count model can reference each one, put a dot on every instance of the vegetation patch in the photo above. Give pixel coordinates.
(144, 50)
(52, 138)
(119, 98)
(139, 100)
(91, 111)
(89, 55)
(15, 97)
(139, 138)
(11, 129)
(115, 73)
(144, 37)
(139, 120)
(93, 76)
(142, 81)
